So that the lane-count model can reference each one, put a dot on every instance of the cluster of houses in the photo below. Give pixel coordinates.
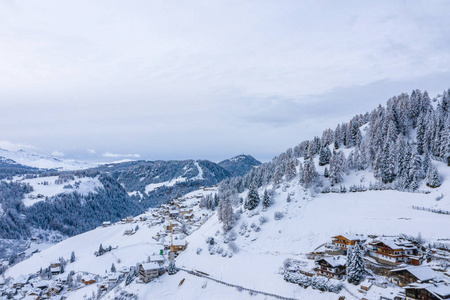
(400, 260)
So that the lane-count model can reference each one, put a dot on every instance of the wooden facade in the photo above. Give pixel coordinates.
(330, 267)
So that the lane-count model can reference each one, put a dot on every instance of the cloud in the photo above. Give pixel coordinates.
(117, 155)
(91, 151)
(57, 153)
(7, 145)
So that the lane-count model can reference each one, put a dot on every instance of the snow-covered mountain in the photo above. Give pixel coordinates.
(239, 165)
(41, 161)
(381, 177)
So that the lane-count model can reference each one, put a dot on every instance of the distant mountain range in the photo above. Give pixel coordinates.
(64, 195)
(22, 158)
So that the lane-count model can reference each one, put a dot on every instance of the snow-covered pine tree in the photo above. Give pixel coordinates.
(324, 156)
(433, 180)
(172, 269)
(252, 200)
(429, 253)
(227, 214)
(72, 257)
(309, 173)
(291, 169)
(356, 268)
(325, 173)
(113, 268)
(266, 199)
(278, 175)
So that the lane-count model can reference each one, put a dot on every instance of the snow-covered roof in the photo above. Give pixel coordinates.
(422, 273)
(156, 258)
(351, 236)
(179, 243)
(442, 290)
(150, 266)
(335, 261)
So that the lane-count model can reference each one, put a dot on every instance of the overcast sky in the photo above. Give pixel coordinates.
(108, 80)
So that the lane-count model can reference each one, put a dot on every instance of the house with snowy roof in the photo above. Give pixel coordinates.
(348, 240)
(157, 259)
(393, 252)
(436, 291)
(331, 267)
(150, 270)
(405, 276)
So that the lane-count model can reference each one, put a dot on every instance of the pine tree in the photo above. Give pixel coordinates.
(278, 175)
(291, 170)
(325, 173)
(266, 199)
(172, 269)
(309, 173)
(252, 199)
(113, 268)
(227, 215)
(72, 257)
(356, 268)
(428, 253)
(324, 156)
(433, 180)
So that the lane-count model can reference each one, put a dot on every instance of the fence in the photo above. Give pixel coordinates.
(437, 211)
(238, 287)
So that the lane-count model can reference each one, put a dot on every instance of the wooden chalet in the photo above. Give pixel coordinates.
(405, 276)
(392, 252)
(331, 267)
(437, 291)
(179, 245)
(150, 270)
(106, 224)
(347, 241)
(55, 268)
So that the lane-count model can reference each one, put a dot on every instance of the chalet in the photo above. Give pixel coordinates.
(347, 241)
(112, 279)
(405, 276)
(179, 245)
(173, 213)
(88, 280)
(42, 285)
(106, 224)
(55, 268)
(366, 285)
(149, 271)
(157, 259)
(188, 216)
(143, 218)
(437, 291)
(331, 267)
(391, 251)
(129, 219)
(129, 232)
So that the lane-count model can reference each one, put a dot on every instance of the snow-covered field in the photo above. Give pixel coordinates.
(50, 188)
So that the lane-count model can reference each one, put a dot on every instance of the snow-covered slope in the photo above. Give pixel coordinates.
(261, 242)
(43, 161)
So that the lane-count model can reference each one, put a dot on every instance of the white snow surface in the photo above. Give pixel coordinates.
(44, 161)
(87, 185)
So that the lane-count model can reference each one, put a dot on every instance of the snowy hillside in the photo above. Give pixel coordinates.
(43, 161)
(252, 254)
